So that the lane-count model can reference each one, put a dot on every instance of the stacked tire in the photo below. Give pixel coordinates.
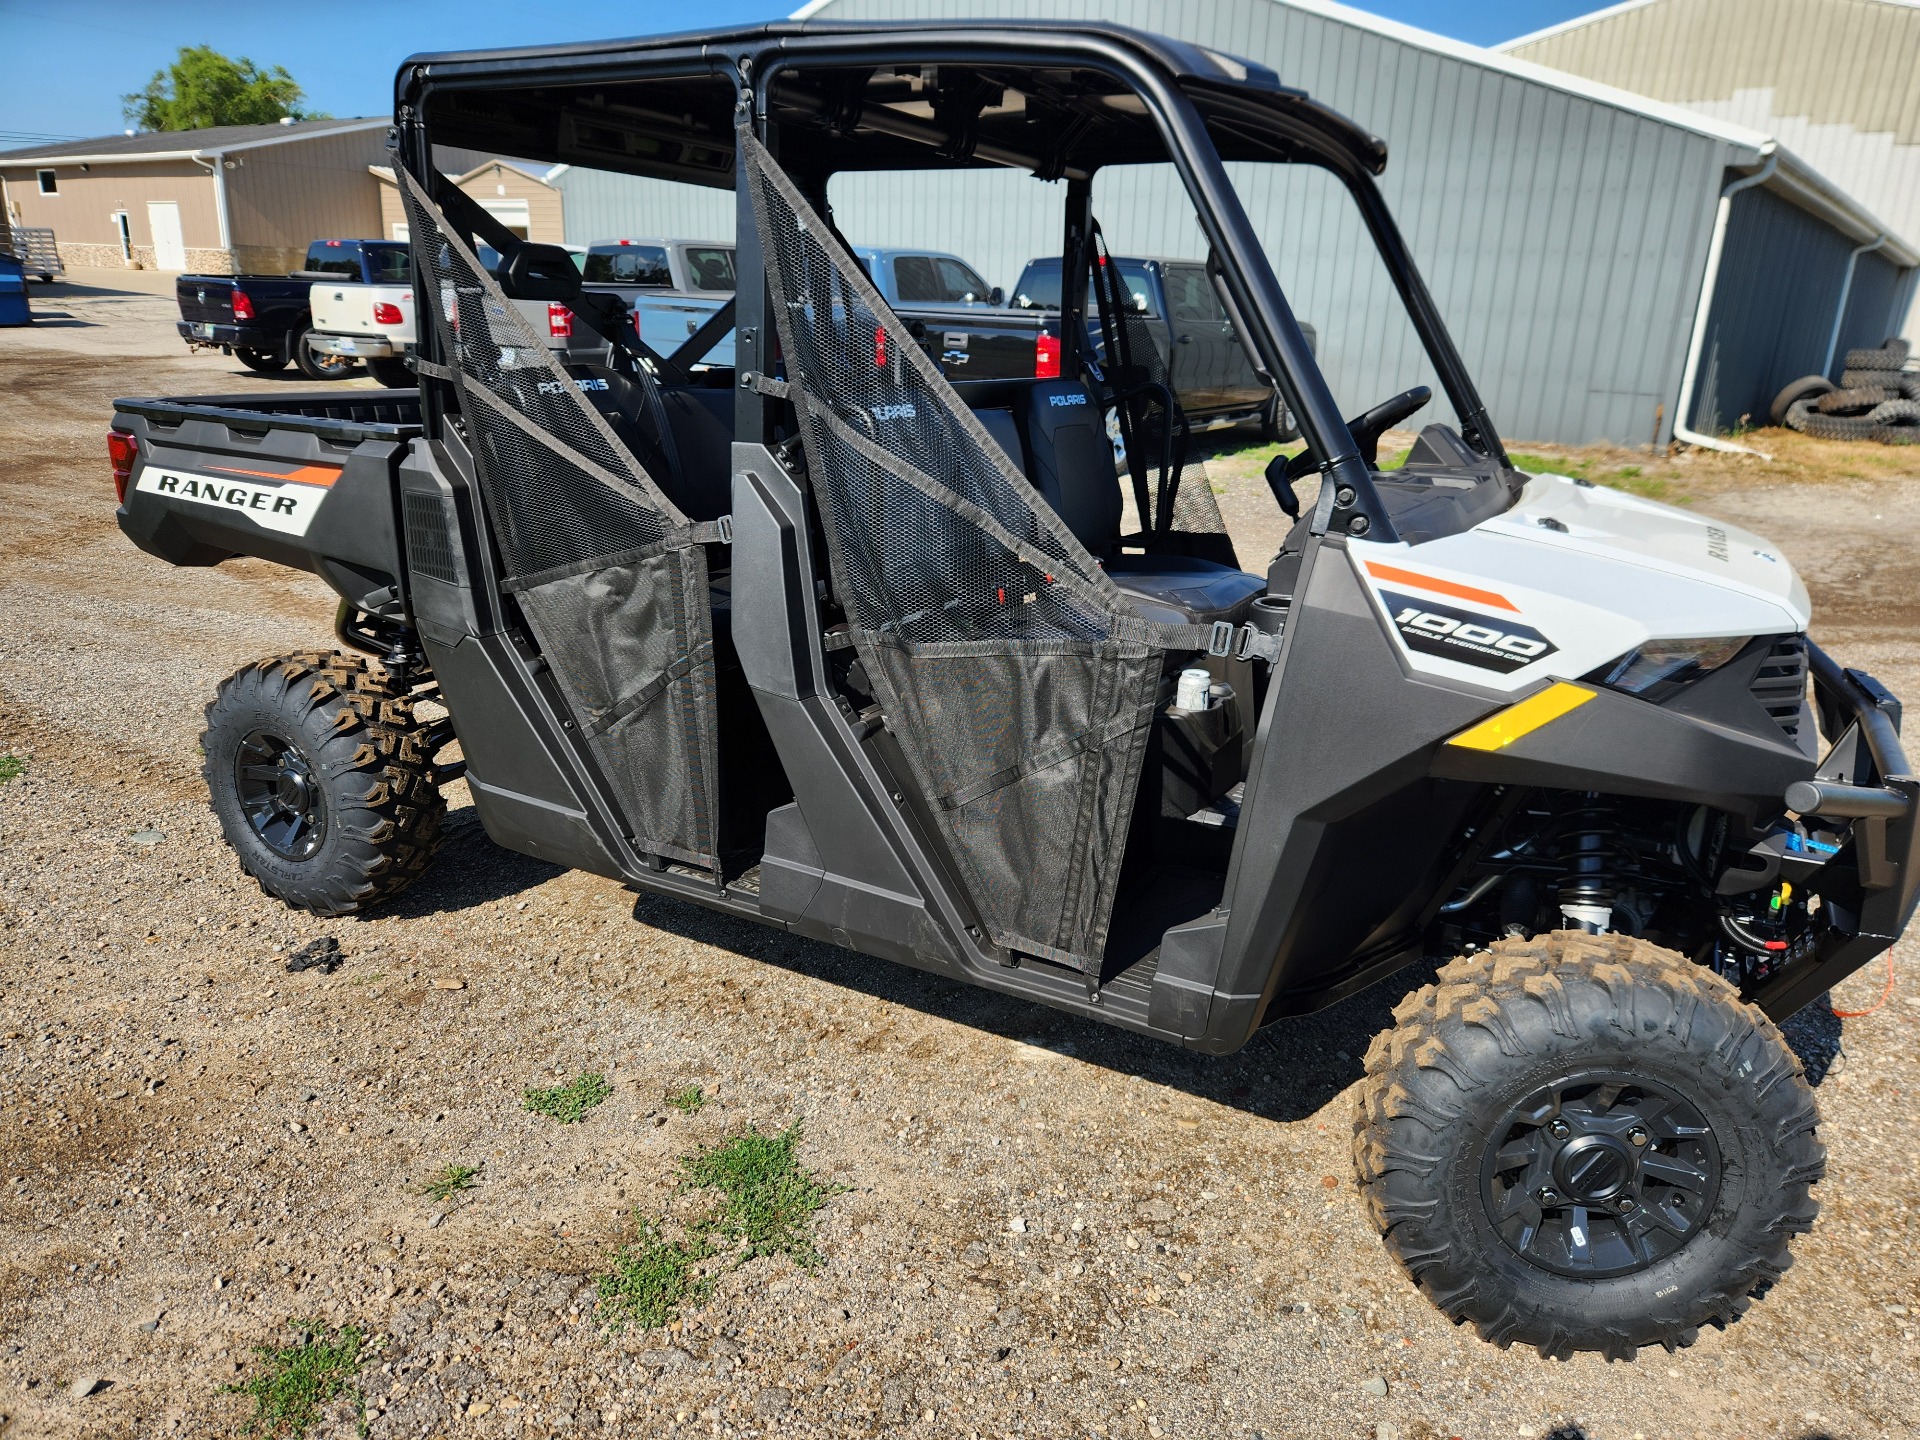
(1876, 400)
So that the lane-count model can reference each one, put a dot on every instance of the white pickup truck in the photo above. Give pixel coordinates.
(672, 286)
(372, 322)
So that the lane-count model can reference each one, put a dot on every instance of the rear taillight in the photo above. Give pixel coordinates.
(242, 306)
(385, 314)
(1046, 356)
(879, 347)
(123, 450)
(560, 321)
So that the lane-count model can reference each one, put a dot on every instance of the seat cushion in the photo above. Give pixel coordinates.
(1180, 590)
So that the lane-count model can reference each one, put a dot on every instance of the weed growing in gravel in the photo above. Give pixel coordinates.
(652, 1278)
(569, 1103)
(766, 1207)
(687, 1099)
(12, 767)
(450, 1181)
(296, 1380)
(768, 1198)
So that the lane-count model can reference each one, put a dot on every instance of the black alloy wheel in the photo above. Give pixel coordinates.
(280, 794)
(1600, 1174)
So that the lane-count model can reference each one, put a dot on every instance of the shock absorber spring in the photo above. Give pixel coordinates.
(1585, 892)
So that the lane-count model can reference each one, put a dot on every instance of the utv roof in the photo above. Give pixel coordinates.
(1249, 112)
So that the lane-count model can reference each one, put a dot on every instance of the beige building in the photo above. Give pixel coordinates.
(235, 199)
(1837, 82)
(515, 194)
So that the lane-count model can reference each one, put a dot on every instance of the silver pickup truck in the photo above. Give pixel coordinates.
(673, 287)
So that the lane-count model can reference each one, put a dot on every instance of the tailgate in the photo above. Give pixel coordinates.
(205, 299)
(346, 309)
(214, 480)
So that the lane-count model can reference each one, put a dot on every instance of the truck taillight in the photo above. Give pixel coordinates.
(242, 306)
(879, 347)
(123, 450)
(1046, 356)
(559, 321)
(385, 313)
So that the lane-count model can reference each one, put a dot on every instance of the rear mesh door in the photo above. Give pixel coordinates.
(611, 576)
(1017, 682)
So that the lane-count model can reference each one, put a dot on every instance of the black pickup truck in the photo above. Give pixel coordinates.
(264, 320)
(1206, 363)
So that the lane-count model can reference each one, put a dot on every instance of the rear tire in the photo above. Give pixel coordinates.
(322, 781)
(1274, 429)
(261, 362)
(314, 365)
(1585, 1142)
(393, 374)
(1807, 387)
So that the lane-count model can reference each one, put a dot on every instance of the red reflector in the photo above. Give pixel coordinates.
(122, 450)
(386, 314)
(560, 321)
(879, 347)
(1046, 356)
(242, 306)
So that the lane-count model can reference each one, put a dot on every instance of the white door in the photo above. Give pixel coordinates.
(169, 249)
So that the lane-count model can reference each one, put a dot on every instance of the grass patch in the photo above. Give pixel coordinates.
(767, 1198)
(652, 1278)
(569, 1103)
(1631, 478)
(451, 1181)
(12, 767)
(687, 1099)
(766, 1204)
(296, 1380)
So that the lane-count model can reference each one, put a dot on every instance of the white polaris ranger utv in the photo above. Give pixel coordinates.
(827, 641)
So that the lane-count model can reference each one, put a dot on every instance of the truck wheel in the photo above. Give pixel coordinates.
(1585, 1142)
(1274, 429)
(393, 374)
(261, 362)
(322, 780)
(314, 365)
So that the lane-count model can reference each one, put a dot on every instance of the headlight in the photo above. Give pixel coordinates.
(1660, 667)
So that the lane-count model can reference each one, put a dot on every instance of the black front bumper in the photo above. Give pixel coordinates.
(1868, 892)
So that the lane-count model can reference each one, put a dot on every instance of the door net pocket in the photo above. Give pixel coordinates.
(611, 576)
(1019, 685)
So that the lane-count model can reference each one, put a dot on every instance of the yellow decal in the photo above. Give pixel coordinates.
(1523, 719)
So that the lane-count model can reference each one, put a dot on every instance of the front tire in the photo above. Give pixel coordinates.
(322, 780)
(1585, 1142)
(313, 364)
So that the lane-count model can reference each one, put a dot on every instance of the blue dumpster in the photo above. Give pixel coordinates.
(13, 292)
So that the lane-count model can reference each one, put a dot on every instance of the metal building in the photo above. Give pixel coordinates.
(1837, 81)
(1577, 237)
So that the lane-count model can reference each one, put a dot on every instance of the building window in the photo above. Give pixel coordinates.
(48, 185)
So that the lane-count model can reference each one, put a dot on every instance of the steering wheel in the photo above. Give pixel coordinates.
(1368, 428)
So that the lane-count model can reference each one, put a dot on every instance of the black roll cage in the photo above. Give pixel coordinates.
(1241, 101)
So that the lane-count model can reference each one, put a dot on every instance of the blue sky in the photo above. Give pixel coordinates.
(68, 62)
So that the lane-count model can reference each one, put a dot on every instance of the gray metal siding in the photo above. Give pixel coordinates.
(603, 205)
(1563, 237)
(1833, 80)
(1773, 308)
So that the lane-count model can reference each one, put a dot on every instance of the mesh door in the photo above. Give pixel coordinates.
(610, 574)
(1019, 685)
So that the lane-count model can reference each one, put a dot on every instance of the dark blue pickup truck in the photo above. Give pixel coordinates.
(264, 320)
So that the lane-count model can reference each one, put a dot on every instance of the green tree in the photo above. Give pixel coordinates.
(202, 87)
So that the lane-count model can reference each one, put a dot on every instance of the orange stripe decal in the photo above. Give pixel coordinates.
(1441, 587)
(322, 475)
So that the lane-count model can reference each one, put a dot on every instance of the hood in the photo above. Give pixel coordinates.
(1619, 526)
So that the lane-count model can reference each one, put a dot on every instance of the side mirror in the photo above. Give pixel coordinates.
(540, 272)
(997, 296)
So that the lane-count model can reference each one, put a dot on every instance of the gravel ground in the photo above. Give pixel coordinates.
(1047, 1228)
